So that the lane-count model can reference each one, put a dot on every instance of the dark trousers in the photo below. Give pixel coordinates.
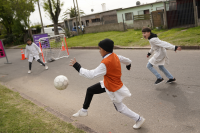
(95, 89)
(30, 63)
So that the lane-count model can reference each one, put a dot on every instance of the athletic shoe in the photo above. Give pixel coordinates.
(158, 81)
(171, 80)
(139, 123)
(80, 113)
(46, 67)
(29, 71)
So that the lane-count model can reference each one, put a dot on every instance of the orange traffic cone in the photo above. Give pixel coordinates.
(63, 47)
(23, 56)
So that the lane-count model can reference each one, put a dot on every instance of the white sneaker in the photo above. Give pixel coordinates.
(139, 123)
(80, 113)
(29, 71)
(46, 67)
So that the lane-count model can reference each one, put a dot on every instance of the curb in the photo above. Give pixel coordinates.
(138, 48)
(134, 48)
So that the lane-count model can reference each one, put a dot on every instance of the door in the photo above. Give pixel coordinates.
(157, 17)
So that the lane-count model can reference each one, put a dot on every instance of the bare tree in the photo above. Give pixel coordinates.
(53, 9)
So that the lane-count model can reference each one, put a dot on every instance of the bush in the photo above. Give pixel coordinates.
(13, 40)
(38, 28)
(67, 33)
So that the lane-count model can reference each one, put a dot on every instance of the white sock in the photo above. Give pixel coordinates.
(84, 110)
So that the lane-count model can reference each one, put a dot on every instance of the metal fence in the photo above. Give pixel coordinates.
(181, 13)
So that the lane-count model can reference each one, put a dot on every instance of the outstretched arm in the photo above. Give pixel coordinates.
(125, 61)
(166, 45)
(90, 74)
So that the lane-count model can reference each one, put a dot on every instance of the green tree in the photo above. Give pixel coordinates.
(14, 16)
(37, 26)
(53, 9)
(16, 13)
(71, 11)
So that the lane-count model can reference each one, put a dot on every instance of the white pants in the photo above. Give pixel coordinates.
(122, 108)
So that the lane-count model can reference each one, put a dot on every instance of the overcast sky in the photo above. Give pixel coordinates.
(86, 6)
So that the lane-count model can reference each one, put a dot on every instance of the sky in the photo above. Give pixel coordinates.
(86, 6)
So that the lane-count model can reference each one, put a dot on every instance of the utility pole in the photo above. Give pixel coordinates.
(40, 16)
(165, 16)
(79, 15)
(76, 19)
(195, 13)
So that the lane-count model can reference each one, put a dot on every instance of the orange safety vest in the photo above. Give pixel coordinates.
(112, 79)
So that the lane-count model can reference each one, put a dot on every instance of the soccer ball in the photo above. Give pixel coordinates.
(61, 82)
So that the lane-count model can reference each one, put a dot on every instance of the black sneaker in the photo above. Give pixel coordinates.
(171, 80)
(158, 81)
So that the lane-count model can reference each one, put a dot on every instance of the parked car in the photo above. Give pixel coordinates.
(74, 28)
(50, 30)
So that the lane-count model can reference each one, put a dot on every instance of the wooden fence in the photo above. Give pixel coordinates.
(142, 17)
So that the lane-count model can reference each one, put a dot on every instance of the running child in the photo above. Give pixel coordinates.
(160, 55)
(32, 51)
(110, 68)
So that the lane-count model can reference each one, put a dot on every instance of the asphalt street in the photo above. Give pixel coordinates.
(168, 108)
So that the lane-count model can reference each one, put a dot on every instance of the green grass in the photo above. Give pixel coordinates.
(19, 115)
(22, 46)
(190, 37)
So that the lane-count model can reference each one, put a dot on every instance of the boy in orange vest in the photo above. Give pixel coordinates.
(110, 68)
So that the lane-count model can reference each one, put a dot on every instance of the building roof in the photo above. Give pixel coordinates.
(96, 13)
(118, 9)
(143, 5)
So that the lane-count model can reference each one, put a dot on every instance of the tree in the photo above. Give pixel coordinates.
(71, 11)
(15, 14)
(53, 9)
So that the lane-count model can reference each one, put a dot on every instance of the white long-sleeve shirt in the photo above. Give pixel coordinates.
(101, 70)
(32, 50)
(159, 48)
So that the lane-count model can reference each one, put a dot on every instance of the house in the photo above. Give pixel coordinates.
(127, 14)
(100, 18)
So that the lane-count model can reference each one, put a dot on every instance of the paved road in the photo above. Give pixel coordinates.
(173, 108)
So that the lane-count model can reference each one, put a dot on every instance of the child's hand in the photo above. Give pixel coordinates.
(40, 54)
(73, 61)
(149, 54)
(179, 49)
(128, 67)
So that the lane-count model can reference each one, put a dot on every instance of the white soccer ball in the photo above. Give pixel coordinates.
(61, 82)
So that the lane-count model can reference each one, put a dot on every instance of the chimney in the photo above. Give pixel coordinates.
(103, 7)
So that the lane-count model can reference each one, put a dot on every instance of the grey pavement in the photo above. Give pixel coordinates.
(168, 108)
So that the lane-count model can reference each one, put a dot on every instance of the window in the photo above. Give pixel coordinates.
(146, 11)
(141, 12)
(129, 16)
(58, 29)
(95, 20)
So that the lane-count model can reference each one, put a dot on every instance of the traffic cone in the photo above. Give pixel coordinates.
(23, 56)
(63, 47)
